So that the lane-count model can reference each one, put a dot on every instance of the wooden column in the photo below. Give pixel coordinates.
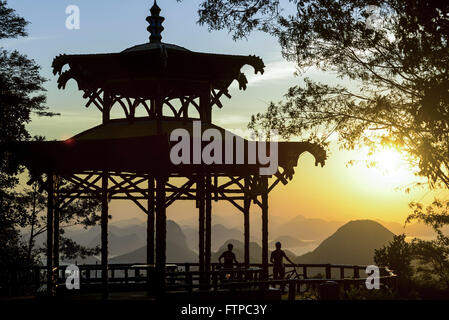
(150, 221)
(264, 190)
(208, 224)
(246, 207)
(104, 234)
(107, 104)
(50, 217)
(205, 107)
(158, 107)
(205, 115)
(161, 221)
(201, 216)
(56, 213)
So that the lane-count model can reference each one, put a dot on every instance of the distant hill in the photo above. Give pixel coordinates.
(353, 243)
(415, 229)
(192, 221)
(119, 244)
(79, 261)
(255, 251)
(304, 228)
(289, 242)
(219, 234)
(177, 249)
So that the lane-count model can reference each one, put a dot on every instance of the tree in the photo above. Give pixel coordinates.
(393, 62)
(81, 212)
(396, 255)
(20, 96)
(433, 255)
(396, 66)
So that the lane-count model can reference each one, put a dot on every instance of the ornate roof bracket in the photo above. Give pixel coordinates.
(289, 153)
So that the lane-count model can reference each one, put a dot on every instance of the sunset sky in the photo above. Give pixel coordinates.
(336, 192)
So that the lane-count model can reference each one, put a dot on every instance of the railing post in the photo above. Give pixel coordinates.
(137, 274)
(356, 272)
(342, 272)
(215, 280)
(37, 277)
(189, 281)
(328, 271)
(304, 271)
(291, 290)
(87, 275)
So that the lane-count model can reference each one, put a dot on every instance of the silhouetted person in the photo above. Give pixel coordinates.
(277, 258)
(228, 257)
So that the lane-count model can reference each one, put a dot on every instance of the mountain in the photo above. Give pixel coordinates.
(289, 242)
(119, 244)
(175, 253)
(353, 243)
(304, 228)
(177, 249)
(255, 251)
(192, 221)
(219, 234)
(128, 222)
(416, 229)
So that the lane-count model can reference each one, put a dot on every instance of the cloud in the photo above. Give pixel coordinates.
(10, 43)
(229, 119)
(274, 71)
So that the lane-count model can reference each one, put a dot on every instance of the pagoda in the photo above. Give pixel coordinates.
(129, 158)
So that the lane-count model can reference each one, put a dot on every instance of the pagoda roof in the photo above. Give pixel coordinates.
(137, 147)
(154, 69)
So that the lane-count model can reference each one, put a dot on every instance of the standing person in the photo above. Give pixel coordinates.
(277, 259)
(228, 257)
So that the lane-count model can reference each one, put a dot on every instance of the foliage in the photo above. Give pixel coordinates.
(393, 64)
(433, 255)
(361, 293)
(395, 69)
(81, 212)
(21, 97)
(11, 25)
(422, 265)
(397, 256)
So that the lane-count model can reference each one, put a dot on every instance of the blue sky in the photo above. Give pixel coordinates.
(112, 26)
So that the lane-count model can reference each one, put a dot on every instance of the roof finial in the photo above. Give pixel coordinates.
(155, 22)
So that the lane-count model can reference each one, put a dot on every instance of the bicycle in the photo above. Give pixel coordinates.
(294, 275)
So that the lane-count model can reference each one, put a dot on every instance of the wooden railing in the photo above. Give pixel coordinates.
(187, 277)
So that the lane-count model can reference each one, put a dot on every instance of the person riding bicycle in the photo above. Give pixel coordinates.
(277, 258)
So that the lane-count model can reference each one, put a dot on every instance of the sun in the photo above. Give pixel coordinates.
(388, 160)
(389, 165)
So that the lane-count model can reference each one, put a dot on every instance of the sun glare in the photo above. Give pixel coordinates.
(389, 166)
(388, 160)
